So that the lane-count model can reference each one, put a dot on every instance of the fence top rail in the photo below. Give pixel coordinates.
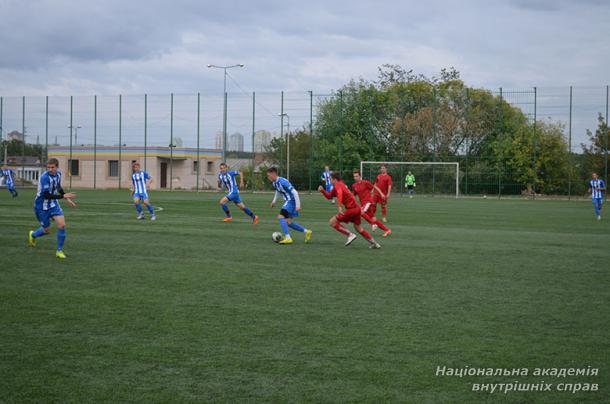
(412, 162)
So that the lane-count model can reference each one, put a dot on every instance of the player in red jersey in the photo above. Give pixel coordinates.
(383, 191)
(362, 189)
(349, 211)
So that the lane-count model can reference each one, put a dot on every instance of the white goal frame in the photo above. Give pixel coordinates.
(431, 163)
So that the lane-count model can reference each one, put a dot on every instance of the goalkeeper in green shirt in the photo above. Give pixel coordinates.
(410, 184)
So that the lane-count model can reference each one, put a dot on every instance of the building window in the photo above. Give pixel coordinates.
(113, 168)
(195, 166)
(210, 166)
(73, 169)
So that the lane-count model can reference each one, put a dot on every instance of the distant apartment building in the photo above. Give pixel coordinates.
(262, 140)
(236, 142)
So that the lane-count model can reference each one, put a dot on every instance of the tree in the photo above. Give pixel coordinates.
(595, 152)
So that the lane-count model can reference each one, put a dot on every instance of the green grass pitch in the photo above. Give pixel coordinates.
(192, 309)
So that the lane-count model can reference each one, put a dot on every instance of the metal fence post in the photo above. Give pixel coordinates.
(502, 148)
(253, 135)
(71, 129)
(434, 148)
(198, 136)
(46, 130)
(94, 141)
(282, 133)
(171, 142)
(570, 148)
(311, 153)
(23, 134)
(341, 133)
(120, 136)
(535, 141)
(145, 129)
(606, 148)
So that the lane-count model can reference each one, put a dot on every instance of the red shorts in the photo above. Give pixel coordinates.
(350, 216)
(377, 199)
(369, 208)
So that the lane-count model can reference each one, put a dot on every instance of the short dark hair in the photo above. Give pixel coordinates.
(223, 164)
(53, 161)
(356, 171)
(272, 170)
(384, 165)
(336, 176)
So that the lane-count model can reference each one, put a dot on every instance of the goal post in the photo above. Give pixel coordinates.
(435, 177)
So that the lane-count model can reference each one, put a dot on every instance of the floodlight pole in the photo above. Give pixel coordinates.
(224, 113)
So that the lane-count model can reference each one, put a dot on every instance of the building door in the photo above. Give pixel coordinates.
(163, 175)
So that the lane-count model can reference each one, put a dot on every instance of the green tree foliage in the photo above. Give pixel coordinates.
(595, 151)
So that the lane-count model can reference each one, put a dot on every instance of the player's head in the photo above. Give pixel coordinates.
(594, 176)
(326, 168)
(383, 169)
(52, 166)
(409, 172)
(223, 167)
(272, 174)
(136, 167)
(357, 176)
(335, 177)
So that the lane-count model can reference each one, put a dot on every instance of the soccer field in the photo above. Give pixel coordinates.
(189, 308)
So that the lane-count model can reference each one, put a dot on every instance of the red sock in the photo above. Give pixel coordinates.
(342, 229)
(384, 211)
(369, 219)
(381, 225)
(366, 235)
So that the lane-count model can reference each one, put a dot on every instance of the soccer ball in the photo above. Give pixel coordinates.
(277, 236)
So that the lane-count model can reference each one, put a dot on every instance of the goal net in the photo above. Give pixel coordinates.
(433, 178)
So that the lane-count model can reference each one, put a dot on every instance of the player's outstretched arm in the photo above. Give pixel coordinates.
(327, 195)
(379, 190)
(275, 196)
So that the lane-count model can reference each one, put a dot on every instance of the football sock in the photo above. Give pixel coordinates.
(61, 237)
(384, 211)
(367, 236)
(381, 225)
(226, 209)
(151, 209)
(297, 227)
(139, 207)
(342, 229)
(38, 232)
(284, 226)
(248, 212)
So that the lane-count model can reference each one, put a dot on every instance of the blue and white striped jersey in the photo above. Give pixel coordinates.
(326, 177)
(49, 183)
(139, 182)
(227, 180)
(8, 176)
(283, 187)
(596, 193)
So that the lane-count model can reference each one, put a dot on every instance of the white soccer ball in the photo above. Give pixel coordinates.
(277, 236)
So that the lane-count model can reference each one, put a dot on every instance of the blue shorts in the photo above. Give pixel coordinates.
(142, 195)
(45, 216)
(329, 187)
(598, 202)
(289, 210)
(233, 197)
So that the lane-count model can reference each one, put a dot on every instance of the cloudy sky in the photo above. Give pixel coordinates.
(136, 46)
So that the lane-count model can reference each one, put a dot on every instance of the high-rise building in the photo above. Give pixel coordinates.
(236, 142)
(262, 139)
(218, 142)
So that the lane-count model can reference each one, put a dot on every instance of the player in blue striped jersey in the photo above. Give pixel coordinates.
(46, 206)
(291, 207)
(140, 181)
(597, 188)
(9, 180)
(226, 179)
(328, 185)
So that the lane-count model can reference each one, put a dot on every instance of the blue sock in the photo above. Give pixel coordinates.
(284, 227)
(248, 212)
(139, 207)
(61, 237)
(38, 232)
(297, 227)
(151, 209)
(226, 209)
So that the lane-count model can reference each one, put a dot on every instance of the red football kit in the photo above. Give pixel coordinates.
(363, 190)
(351, 214)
